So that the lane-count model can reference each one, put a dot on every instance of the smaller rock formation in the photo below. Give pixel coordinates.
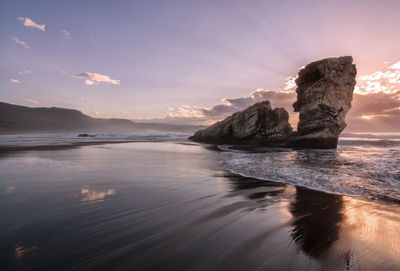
(258, 124)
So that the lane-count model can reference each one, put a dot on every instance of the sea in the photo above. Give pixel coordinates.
(364, 164)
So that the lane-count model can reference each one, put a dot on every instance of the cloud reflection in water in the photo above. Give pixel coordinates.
(88, 194)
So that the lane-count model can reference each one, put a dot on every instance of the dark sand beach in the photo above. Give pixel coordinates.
(170, 206)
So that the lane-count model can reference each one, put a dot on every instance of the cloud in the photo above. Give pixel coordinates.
(395, 66)
(97, 113)
(369, 112)
(375, 105)
(84, 99)
(31, 101)
(290, 83)
(68, 74)
(231, 105)
(25, 71)
(89, 82)
(30, 23)
(14, 81)
(20, 42)
(185, 111)
(374, 112)
(385, 81)
(95, 78)
(191, 114)
(66, 34)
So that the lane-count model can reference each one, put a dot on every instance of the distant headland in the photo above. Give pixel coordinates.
(23, 119)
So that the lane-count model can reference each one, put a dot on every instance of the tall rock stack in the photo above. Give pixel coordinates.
(324, 95)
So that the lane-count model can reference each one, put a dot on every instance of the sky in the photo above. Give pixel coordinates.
(195, 62)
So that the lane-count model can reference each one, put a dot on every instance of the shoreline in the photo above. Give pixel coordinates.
(383, 200)
(213, 147)
(61, 146)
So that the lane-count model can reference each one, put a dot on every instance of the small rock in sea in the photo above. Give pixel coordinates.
(85, 135)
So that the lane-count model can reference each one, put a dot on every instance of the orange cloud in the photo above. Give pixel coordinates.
(386, 81)
(374, 112)
(31, 101)
(30, 23)
(14, 81)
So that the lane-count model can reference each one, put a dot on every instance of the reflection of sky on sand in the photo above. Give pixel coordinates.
(344, 231)
(88, 194)
(334, 232)
(10, 189)
(21, 250)
(370, 234)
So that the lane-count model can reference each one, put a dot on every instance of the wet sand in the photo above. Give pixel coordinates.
(169, 206)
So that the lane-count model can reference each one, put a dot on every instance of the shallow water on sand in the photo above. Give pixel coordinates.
(169, 206)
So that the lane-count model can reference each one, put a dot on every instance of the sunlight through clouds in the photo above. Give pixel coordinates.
(386, 81)
(290, 83)
(395, 66)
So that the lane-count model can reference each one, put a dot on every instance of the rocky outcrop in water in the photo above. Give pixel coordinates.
(324, 94)
(258, 124)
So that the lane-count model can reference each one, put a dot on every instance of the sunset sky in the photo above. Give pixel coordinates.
(195, 61)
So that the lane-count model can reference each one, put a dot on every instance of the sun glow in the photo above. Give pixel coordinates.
(366, 117)
(387, 81)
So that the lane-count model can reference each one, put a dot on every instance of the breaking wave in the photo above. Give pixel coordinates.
(359, 167)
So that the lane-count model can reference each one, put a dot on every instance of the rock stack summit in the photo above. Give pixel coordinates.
(324, 95)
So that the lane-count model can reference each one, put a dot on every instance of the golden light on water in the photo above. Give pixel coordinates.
(366, 117)
(371, 228)
(96, 195)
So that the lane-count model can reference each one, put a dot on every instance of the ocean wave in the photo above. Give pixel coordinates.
(69, 138)
(370, 173)
(372, 135)
(373, 143)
